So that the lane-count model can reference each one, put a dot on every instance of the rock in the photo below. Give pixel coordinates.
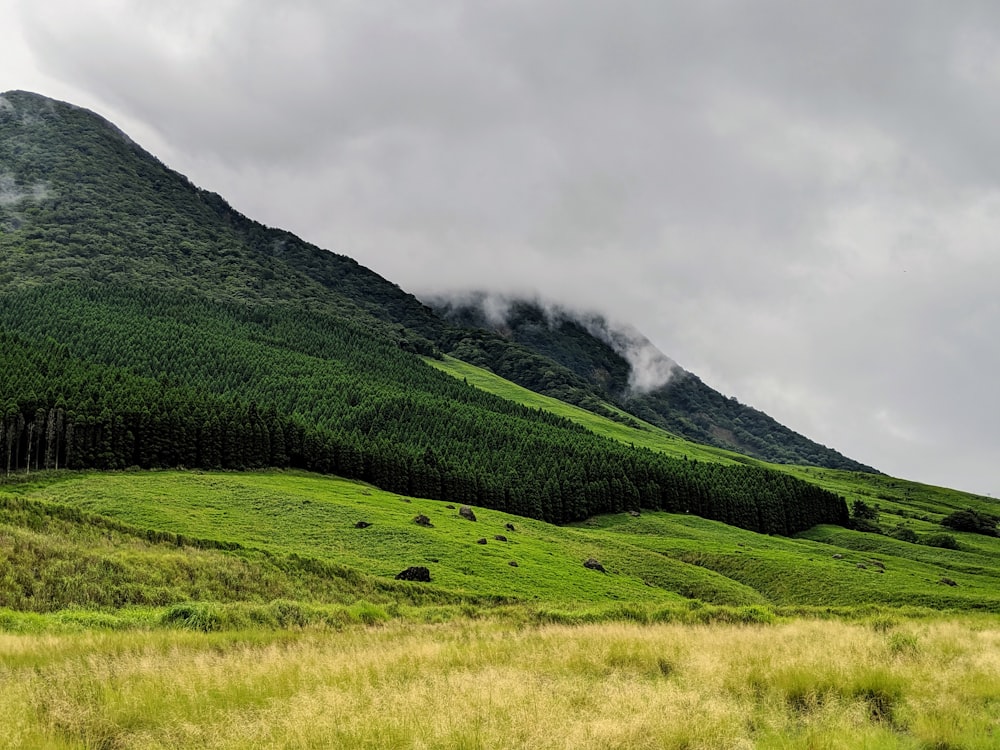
(405, 499)
(466, 512)
(592, 564)
(481, 540)
(634, 513)
(450, 507)
(422, 520)
(500, 538)
(947, 582)
(512, 563)
(415, 573)
(509, 527)
(362, 525)
(862, 566)
(838, 556)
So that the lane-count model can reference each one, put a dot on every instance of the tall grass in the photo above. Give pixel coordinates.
(488, 684)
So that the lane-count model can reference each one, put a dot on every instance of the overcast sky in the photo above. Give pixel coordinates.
(799, 202)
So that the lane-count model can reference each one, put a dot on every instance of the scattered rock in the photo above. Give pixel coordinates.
(500, 538)
(362, 525)
(592, 564)
(415, 573)
(838, 556)
(450, 507)
(509, 527)
(862, 566)
(512, 563)
(405, 499)
(466, 512)
(422, 520)
(947, 582)
(634, 513)
(481, 540)
(878, 564)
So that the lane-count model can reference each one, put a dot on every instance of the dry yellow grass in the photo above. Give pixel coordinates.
(804, 684)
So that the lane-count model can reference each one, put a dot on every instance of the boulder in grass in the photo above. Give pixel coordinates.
(415, 573)
(948, 582)
(509, 527)
(593, 564)
(466, 512)
(362, 525)
(500, 538)
(481, 541)
(422, 520)
(513, 563)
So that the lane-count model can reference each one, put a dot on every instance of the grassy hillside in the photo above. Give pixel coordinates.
(153, 539)
(631, 432)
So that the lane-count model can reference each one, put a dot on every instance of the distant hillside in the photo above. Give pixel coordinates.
(146, 323)
(597, 361)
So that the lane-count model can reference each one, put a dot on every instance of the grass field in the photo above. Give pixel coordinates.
(103, 541)
(487, 684)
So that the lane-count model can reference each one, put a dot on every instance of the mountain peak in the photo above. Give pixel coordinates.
(30, 108)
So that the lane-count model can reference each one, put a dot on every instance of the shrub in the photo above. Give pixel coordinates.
(861, 510)
(971, 521)
(865, 525)
(194, 616)
(904, 534)
(945, 541)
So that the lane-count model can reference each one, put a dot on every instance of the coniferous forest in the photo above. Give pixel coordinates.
(145, 323)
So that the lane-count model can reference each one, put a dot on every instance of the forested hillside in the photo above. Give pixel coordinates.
(587, 364)
(145, 323)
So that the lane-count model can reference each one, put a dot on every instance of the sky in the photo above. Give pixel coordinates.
(799, 202)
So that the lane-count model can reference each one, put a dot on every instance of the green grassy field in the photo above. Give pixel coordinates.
(830, 685)
(104, 541)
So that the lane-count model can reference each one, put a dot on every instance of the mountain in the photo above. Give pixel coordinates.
(146, 323)
(620, 365)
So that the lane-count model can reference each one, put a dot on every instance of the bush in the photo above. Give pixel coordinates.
(861, 510)
(863, 524)
(194, 616)
(971, 521)
(945, 541)
(904, 534)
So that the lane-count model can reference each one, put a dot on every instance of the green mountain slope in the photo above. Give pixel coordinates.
(226, 344)
(592, 363)
(157, 539)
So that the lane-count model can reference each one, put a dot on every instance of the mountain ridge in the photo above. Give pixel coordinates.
(621, 365)
(223, 343)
